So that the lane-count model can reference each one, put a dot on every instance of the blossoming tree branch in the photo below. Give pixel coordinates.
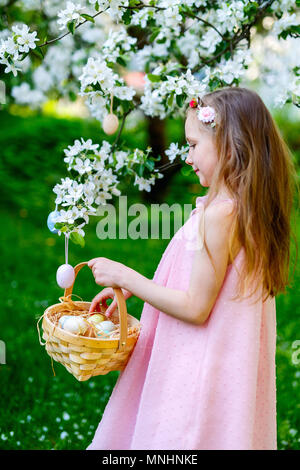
(184, 48)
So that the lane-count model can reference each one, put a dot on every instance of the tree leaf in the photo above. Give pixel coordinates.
(170, 99)
(179, 100)
(38, 52)
(154, 35)
(126, 17)
(24, 56)
(77, 239)
(161, 41)
(72, 95)
(140, 169)
(121, 61)
(71, 26)
(149, 164)
(87, 17)
(153, 78)
(187, 9)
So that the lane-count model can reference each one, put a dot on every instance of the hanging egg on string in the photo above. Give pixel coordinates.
(65, 275)
(111, 121)
(110, 124)
(51, 221)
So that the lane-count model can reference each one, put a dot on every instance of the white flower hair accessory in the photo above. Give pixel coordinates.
(204, 113)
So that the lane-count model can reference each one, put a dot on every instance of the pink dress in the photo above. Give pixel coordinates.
(208, 387)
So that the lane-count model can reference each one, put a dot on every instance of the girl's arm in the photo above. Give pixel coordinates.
(170, 301)
(194, 305)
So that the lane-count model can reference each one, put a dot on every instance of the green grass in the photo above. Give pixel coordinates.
(40, 411)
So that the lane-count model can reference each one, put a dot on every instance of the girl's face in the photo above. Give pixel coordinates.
(202, 154)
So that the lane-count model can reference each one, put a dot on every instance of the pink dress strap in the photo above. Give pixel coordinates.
(200, 210)
(200, 200)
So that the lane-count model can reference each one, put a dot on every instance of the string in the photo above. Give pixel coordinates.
(48, 338)
(111, 102)
(61, 299)
(66, 247)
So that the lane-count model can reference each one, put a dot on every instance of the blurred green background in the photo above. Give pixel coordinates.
(40, 411)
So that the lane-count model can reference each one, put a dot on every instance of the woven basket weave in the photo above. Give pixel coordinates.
(86, 357)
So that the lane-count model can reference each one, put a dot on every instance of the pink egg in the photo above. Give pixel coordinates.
(65, 276)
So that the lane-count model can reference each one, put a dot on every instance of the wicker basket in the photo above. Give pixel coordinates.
(86, 357)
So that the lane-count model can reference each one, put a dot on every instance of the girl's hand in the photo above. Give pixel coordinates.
(107, 293)
(107, 272)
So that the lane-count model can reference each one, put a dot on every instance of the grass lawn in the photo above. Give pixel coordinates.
(40, 411)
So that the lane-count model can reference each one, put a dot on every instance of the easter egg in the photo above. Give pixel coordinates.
(96, 319)
(73, 324)
(51, 221)
(106, 326)
(110, 124)
(65, 276)
(62, 320)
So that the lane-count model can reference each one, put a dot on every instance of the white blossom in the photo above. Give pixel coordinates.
(14, 68)
(210, 40)
(233, 68)
(82, 166)
(25, 39)
(11, 47)
(112, 7)
(117, 43)
(140, 18)
(285, 22)
(102, 197)
(124, 93)
(24, 95)
(144, 184)
(96, 71)
(122, 158)
(74, 194)
(154, 100)
(280, 5)
(173, 151)
(69, 216)
(42, 78)
(71, 13)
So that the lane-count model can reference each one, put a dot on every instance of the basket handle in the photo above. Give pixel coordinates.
(121, 302)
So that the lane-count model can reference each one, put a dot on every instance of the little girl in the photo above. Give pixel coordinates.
(202, 374)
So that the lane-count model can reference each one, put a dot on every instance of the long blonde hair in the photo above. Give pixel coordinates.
(256, 167)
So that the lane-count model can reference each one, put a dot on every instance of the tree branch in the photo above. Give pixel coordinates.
(66, 34)
(243, 33)
(207, 24)
(120, 130)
